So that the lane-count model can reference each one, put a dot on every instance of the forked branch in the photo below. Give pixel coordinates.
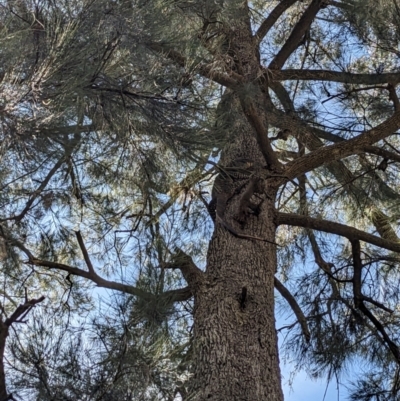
(342, 150)
(182, 294)
(16, 317)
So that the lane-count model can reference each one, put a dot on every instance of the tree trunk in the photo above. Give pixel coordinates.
(235, 339)
(235, 342)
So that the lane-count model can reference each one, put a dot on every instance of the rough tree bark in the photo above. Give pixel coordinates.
(236, 353)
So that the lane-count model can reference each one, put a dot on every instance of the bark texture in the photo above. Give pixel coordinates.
(236, 355)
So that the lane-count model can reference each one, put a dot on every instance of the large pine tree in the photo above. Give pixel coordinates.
(195, 155)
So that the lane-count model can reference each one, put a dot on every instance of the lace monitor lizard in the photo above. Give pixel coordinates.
(235, 179)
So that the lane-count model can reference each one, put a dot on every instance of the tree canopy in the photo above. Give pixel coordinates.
(135, 133)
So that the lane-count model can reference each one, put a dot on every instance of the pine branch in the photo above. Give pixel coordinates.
(22, 310)
(319, 260)
(331, 227)
(178, 295)
(386, 154)
(296, 35)
(295, 308)
(308, 137)
(261, 133)
(207, 70)
(186, 183)
(307, 132)
(268, 23)
(342, 150)
(38, 191)
(393, 96)
(16, 317)
(85, 253)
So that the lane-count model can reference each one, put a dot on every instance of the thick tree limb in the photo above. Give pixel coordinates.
(297, 35)
(181, 294)
(268, 23)
(295, 308)
(282, 120)
(342, 150)
(309, 136)
(331, 227)
(261, 133)
(393, 96)
(178, 295)
(100, 282)
(283, 96)
(291, 122)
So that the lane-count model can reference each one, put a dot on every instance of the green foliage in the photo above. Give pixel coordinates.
(105, 131)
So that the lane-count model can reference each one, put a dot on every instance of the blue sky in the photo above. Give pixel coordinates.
(304, 388)
(301, 387)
